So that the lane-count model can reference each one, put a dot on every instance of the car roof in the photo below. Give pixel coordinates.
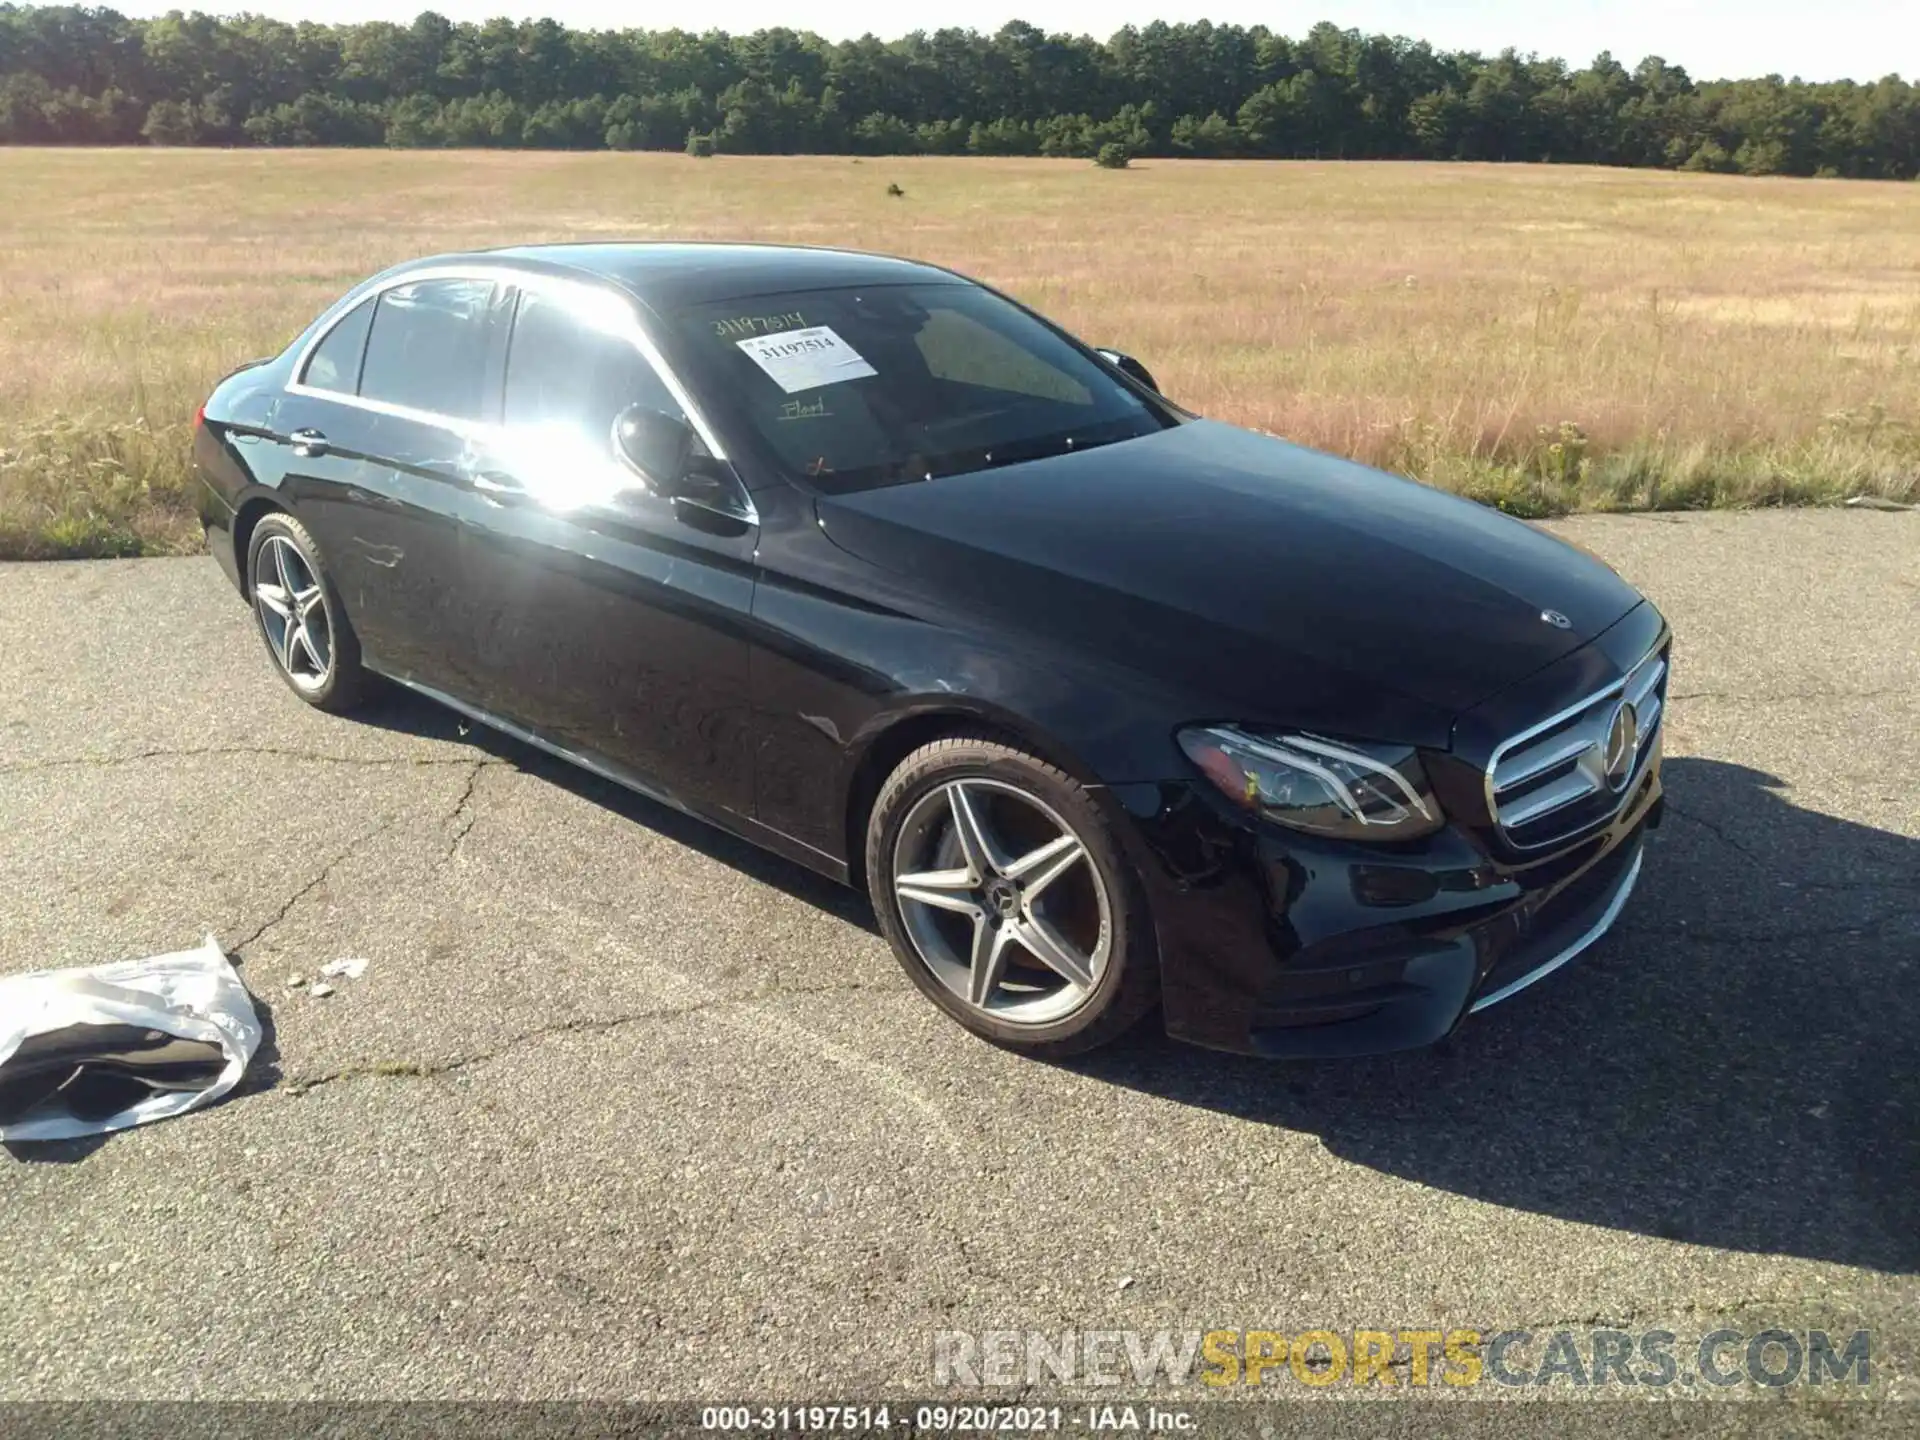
(668, 274)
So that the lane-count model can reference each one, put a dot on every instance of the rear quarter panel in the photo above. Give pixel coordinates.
(234, 456)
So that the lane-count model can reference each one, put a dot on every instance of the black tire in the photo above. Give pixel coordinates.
(345, 681)
(1125, 990)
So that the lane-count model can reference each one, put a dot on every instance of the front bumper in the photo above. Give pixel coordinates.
(1280, 945)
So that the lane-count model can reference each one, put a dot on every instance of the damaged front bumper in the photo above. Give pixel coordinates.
(1277, 944)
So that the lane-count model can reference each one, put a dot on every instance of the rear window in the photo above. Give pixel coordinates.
(335, 362)
(430, 347)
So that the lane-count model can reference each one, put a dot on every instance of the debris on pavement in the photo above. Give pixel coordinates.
(296, 982)
(349, 969)
(95, 1049)
(321, 990)
(1878, 502)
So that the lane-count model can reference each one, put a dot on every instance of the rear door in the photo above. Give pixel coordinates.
(386, 484)
(607, 620)
(322, 434)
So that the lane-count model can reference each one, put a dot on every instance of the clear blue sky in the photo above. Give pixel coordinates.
(1815, 39)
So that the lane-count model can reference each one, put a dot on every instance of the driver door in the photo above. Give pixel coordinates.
(604, 619)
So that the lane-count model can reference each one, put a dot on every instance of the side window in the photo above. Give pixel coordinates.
(957, 347)
(563, 371)
(429, 347)
(335, 362)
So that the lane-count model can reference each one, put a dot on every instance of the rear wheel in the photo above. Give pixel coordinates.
(300, 616)
(1007, 899)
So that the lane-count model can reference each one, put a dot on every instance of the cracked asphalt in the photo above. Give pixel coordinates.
(624, 1109)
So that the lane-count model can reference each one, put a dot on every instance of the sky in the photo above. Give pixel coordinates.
(1713, 39)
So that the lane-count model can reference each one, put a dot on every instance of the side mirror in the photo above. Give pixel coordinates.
(1130, 367)
(667, 456)
(656, 446)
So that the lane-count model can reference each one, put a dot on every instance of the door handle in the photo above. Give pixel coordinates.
(308, 442)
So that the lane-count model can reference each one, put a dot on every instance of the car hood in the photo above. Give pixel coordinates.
(1292, 586)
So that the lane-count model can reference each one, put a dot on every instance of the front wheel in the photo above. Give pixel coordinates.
(300, 616)
(1006, 897)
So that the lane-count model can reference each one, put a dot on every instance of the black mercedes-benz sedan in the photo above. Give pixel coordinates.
(1105, 705)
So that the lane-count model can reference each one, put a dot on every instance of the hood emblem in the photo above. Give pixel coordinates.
(1556, 619)
(1623, 744)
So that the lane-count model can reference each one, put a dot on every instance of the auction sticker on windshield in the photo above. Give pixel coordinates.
(806, 359)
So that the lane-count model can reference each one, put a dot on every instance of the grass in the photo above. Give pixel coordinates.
(1540, 338)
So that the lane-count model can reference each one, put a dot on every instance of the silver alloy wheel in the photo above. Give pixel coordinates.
(1002, 902)
(293, 612)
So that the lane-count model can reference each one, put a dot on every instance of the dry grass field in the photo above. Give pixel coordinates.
(1541, 338)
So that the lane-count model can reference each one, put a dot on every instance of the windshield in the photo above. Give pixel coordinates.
(857, 388)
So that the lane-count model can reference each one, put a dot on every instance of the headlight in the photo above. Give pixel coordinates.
(1353, 792)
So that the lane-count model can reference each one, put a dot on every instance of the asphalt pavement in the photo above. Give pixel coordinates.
(622, 1108)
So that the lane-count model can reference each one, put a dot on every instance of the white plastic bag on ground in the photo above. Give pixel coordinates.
(194, 994)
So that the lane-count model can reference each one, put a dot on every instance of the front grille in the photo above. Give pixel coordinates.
(1574, 772)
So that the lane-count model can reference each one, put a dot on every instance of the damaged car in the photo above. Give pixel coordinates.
(1111, 709)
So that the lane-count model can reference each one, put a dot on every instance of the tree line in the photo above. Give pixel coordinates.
(72, 75)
